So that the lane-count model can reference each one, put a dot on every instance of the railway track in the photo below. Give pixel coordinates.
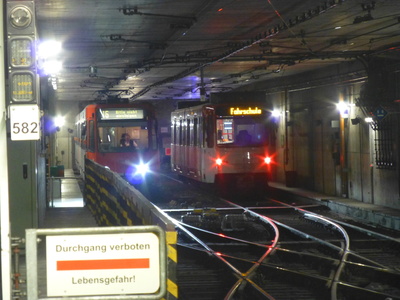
(269, 249)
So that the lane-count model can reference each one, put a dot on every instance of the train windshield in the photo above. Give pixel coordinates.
(123, 139)
(241, 131)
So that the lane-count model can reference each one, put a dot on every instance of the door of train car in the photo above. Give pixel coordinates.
(192, 155)
(80, 141)
(176, 142)
(208, 153)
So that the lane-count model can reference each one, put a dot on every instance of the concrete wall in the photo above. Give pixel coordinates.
(61, 142)
(328, 158)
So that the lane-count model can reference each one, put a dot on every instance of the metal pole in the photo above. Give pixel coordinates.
(343, 153)
(51, 192)
(6, 289)
(31, 263)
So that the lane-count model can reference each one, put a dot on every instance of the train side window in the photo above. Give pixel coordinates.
(91, 136)
(83, 131)
(183, 133)
(78, 135)
(188, 131)
(154, 138)
(174, 133)
(195, 127)
(210, 131)
(204, 132)
(200, 132)
(77, 132)
(180, 132)
(83, 135)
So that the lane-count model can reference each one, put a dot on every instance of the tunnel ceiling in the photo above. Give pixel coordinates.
(169, 49)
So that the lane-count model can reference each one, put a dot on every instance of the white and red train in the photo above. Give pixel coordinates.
(122, 137)
(224, 144)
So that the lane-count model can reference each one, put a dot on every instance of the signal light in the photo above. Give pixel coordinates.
(21, 16)
(22, 86)
(218, 161)
(21, 52)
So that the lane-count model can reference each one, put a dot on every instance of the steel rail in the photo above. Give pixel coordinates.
(242, 276)
(345, 253)
(355, 227)
(225, 236)
(255, 266)
(333, 281)
(360, 229)
(182, 210)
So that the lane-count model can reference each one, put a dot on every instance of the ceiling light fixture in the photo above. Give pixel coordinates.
(52, 67)
(275, 113)
(49, 49)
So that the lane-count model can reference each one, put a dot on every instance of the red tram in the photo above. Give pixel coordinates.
(122, 137)
(225, 144)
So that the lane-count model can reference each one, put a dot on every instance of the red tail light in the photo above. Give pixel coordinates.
(267, 160)
(218, 161)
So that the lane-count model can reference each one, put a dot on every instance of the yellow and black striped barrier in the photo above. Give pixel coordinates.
(114, 202)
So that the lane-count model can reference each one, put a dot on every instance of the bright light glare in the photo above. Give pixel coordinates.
(368, 120)
(218, 161)
(49, 49)
(275, 113)
(52, 67)
(59, 121)
(142, 169)
(267, 160)
(343, 108)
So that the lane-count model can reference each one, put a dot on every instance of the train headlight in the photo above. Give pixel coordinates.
(142, 169)
(136, 173)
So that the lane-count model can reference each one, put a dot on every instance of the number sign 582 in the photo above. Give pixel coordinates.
(24, 122)
(25, 128)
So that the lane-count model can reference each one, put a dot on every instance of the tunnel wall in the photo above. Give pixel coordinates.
(114, 202)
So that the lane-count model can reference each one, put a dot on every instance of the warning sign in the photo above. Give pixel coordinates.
(106, 264)
(380, 113)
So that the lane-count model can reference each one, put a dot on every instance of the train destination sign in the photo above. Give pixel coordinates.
(121, 114)
(106, 264)
(236, 111)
